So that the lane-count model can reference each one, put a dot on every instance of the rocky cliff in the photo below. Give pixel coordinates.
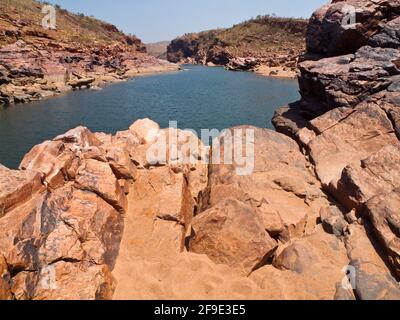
(81, 51)
(265, 41)
(91, 216)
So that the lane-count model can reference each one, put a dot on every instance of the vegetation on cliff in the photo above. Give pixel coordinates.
(21, 20)
(274, 41)
(79, 51)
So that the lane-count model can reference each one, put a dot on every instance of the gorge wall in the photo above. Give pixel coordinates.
(89, 216)
(81, 51)
(261, 42)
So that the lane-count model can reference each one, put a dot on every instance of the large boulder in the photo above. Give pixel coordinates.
(376, 175)
(59, 239)
(146, 130)
(63, 237)
(232, 233)
(97, 177)
(279, 184)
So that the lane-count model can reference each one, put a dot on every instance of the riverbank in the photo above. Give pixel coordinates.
(276, 72)
(25, 80)
(37, 62)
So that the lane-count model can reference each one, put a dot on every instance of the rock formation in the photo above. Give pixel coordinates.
(36, 63)
(347, 125)
(265, 44)
(142, 214)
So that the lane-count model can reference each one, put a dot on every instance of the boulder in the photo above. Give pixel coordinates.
(163, 193)
(333, 220)
(376, 175)
(83, 82)
(17, 187)
(97, 177)
(278, 184)
(146, 130)
(55, 241)
(242, 64)
(52, 159)
(232, 233)
(80, 136)
(310, 268)
(366, 130)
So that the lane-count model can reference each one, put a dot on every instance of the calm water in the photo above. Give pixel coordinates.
(199, 97)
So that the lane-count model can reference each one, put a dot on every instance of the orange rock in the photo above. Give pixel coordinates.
(383, 211)
(232, 233)
(80, 136)
(52, 159)
(5, 290)
(281, 187)
(17, 187)
(372, 279)
(146, 130)
(98, 177)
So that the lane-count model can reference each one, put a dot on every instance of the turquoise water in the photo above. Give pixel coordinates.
(197, 98)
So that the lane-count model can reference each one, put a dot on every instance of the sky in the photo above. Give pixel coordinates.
(159, 20)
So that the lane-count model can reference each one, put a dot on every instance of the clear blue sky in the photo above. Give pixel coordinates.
(157, 20)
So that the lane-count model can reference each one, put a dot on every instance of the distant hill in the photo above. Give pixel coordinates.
(275, 41)
(79, 51)
(21, 20)
(158, 49)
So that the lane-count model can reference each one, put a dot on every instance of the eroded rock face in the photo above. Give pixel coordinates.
(5, 290)
(347, 124)
(371, 278)
(280, 187)
(383, 211)
(17, 187)
(332, 32)
(62, 237)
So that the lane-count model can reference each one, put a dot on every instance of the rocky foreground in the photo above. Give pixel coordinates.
(90, 216)
(81, 52)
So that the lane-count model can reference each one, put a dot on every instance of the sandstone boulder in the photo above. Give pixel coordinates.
(279, 185)
(69, 237)
(80, 136)
(146, 130)
(333, 220)
(52, 159)
(97, 177)
(236, 64)
(17, 187)
(310, 268)
(232, 233)
(376, 175)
